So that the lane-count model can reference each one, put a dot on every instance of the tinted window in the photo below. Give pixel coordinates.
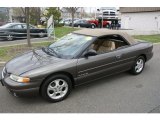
(31, 27)
(17, 26)
(24, 26)
(84, 21)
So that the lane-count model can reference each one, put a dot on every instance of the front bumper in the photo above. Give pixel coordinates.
(20, 89)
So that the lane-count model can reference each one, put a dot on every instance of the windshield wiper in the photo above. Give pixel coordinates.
(51, 51)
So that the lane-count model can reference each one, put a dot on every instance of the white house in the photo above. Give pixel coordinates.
(140, 18)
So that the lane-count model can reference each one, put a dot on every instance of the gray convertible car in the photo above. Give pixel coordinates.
(77, 58)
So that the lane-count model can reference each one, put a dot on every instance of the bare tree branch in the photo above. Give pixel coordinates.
(23, 10)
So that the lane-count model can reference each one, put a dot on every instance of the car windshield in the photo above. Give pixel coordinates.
(6, 25)
(69, 45)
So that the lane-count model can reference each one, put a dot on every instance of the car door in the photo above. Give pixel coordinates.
(24, 30)
(125, 54)
(33, 31)
(18, 31)
(86, 23)
(125, 57)
(94, 67)
(81, 23)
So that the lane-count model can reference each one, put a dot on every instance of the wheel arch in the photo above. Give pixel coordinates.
(62, 73)
(93, 24)
(143, 55)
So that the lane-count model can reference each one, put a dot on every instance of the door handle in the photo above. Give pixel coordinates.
(118, 56)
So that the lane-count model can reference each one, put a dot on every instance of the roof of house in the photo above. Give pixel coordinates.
(138, 9)
(104, 32)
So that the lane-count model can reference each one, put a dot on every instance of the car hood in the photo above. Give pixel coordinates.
(29, 61)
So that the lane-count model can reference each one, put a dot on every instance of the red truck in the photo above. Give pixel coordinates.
(95, 22)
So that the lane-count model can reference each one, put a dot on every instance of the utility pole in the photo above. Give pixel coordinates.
(95, 15)
(28, 28)
(102, 18)
(81, 12)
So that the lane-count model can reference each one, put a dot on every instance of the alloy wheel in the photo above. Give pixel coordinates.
(41, 34)
(57, 89)
(9, 37)
(139, 65)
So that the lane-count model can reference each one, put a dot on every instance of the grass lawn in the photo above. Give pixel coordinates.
(150, 38)
(7, 53)
(61, 31)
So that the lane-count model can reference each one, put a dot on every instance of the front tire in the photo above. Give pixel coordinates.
(56, 88)
(9, 37)
(138, 66)
(41, 34)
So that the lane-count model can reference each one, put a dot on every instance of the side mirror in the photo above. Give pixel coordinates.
(90, 53)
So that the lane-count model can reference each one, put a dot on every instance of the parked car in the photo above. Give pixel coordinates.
(96, 23)
(83, 23)
(77, 58)
(68, 21)
(10, 31)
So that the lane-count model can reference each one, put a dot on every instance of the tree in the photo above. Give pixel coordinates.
(34, 12)
(18, 11)
(53, 11)
(72, 11)
(28, 29)
(35, 15)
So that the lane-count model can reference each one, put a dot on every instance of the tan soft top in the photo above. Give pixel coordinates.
(104, 32)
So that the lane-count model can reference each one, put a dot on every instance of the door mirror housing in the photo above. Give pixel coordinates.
(90, 53)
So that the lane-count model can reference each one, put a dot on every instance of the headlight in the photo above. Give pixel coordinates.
(19, 79)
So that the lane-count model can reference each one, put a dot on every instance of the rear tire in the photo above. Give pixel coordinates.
(93, 26)
(138, 66)
(56, 88)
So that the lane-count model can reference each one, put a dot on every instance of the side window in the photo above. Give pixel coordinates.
(81, 21)
(31, 27)
(108, 43)
(17, 27)
(84, 21)
(24, 26)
